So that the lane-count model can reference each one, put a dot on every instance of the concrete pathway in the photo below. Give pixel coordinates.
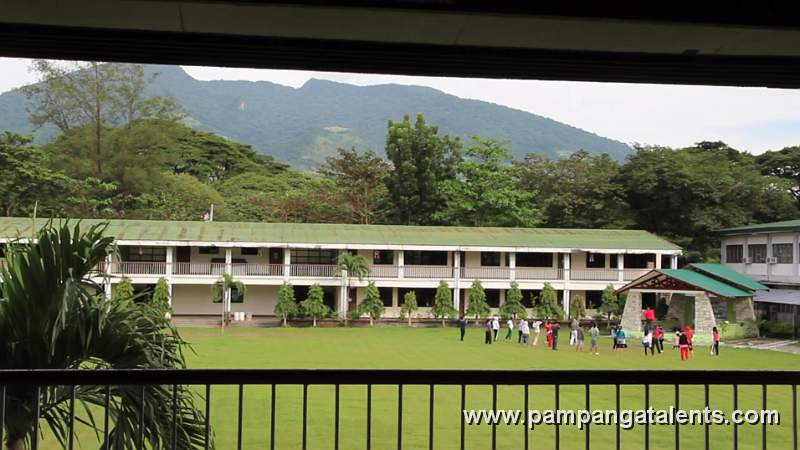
(781, 345)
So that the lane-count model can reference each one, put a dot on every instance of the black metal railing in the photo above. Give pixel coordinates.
(569, 389)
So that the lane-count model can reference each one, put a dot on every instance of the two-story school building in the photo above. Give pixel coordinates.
(769, 253)
(192, 256)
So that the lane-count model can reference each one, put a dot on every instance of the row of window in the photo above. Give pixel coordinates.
(757, 253)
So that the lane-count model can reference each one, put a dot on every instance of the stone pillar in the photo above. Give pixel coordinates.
(632, 316)
(676, 307)
(743, 308)
(704, 319)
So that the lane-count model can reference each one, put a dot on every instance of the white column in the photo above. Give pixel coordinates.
(169, 290)
(457, 279)
(795, 259)
(769, 255)
(565, 303)
(621, 267)
(287, 263)
(673, 261)
(512, 265)
(227, 294)
(395, 298)
(107, 277)
(400, 263)
(658, 260)
(170, 259)
(343, 296)
(566, 259)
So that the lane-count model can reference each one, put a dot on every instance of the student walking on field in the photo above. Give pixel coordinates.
(554, 332)
(573, 331)
(537, 330)
(683, 344)
(488, 328)
(519, 330)
(462, 326)
(510, 329)
(614, 338)
(548, 331)
(525, 332)
(658, 339)
(594, 334)
(495, 326)
(622, 339)
(647, 342)
(715, 342)
(579, 339)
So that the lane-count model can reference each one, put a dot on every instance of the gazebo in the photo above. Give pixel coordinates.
(697, 295)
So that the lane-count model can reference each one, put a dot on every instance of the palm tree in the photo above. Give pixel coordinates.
(350, 265)
(53, 316)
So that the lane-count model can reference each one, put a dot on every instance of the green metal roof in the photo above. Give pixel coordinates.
(155, 230)
(706, 283)
(726, 273)
(786, 225)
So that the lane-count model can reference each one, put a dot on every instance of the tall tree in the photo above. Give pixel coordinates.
(513, 307)
(68, 324)
(287, 305)
(548, 307)
(477, 305)
(577, 307)
(372, 305)
(409, 305)
(610, 303)
(484, 193)
(314, 306)
(359, 179)
(443, 303)
(421, 161)
(784, 163)
(580, 191)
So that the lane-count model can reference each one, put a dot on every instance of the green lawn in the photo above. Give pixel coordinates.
(440, 348)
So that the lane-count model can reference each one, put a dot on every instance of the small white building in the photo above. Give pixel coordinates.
(192, 256)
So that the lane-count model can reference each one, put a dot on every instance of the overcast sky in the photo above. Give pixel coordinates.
(753, 119)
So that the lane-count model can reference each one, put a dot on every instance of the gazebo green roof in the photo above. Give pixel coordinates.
(197, 231)
(706, 283)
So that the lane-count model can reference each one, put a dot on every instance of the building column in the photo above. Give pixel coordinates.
(704, 319)
(632, 316)
(169, 290)
(400, 264)
(107, 278)
(566, 260)
(170, 261)
(673, 261)
(395, 298)
(658, 260)
(228, 269)
(567, 295)
(287, 263)
(343, 296)
(457, 279)
(512, 265)
(769, 255)
(621, 267)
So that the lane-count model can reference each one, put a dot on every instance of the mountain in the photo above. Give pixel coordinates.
(302, 126)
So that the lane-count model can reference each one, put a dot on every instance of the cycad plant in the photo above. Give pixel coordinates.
(53, 316)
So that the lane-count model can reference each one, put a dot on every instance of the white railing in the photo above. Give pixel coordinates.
(486, 273)
(216, 269)
(594, 274)
(632, 274)
(314, 270)
(256, 270)
(538, 273)
(435, 272)
(138, 268)
(381, 271)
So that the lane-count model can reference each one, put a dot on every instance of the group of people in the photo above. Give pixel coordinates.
(529, 331)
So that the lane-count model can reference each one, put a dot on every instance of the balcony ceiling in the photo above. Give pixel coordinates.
(715, 42)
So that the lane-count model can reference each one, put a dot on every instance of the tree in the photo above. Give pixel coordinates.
(548, 307)
(421, 161)
(409, 305)
(178, 197)
(222, 292)
(70, 325)
(577, 307)
(610, 303)
(161, 299)
(784, 163)
(350, 265)
(287, 305)
(443, 303)
(314, 306)
(95, 96)
(372, 305)
(484, 193)
(124, 291)
(580, 191)
(513, 307)
(27, 177)
(477, 305)
(359, 179)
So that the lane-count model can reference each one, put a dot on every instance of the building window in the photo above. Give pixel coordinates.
(425, 296)
(493, 297)
(490, 259)
(613, 261)
(757, 253)
(313, 256)
(734, 254)
(383, 257)
(534, 260)
(144, 254)
(386, 295)
(640, 261)
(595, 260)
(208, 250)
(666, 261)
(783, 253)
(594, 299)
(424, 258)
(250, 251)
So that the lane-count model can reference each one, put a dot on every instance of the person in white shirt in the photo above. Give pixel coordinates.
(510, 326)
(526, 332)
(537, 328)
(495, 327)
(647, 342)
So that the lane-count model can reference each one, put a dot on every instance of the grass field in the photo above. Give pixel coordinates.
(440, 348)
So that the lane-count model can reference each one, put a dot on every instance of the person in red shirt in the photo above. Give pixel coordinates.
(715, 342)
(649, 317)
(548, 328)
(687, 330)
(683, 344)
(658, 339)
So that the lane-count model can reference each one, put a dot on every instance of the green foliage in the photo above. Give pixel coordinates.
(124, 290)
(372, 304)
(484, 192)
(179, 197)
(421, 161)
(548, 307)
(610, 305)
(354, 265)
(160, 300)
(477, 305)
(784, 163)
(443, 303)
(226, 284)
(513, 307)
(359, 182)
(314, 306)
(287, 305)
(577, 307)
(68, 324)
(774, 328)
(409, 305)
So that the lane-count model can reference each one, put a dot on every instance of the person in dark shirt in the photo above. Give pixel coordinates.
(488, 328)
(462, 326)
(556, 327)
(683, 344)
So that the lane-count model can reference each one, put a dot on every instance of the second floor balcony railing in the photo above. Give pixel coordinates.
(632, 274)
(314, 270)
(594, 274)
(538, 273)
(198, 268)
(137, 268)
(486, 273)
(435, 272)
(257, 270)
